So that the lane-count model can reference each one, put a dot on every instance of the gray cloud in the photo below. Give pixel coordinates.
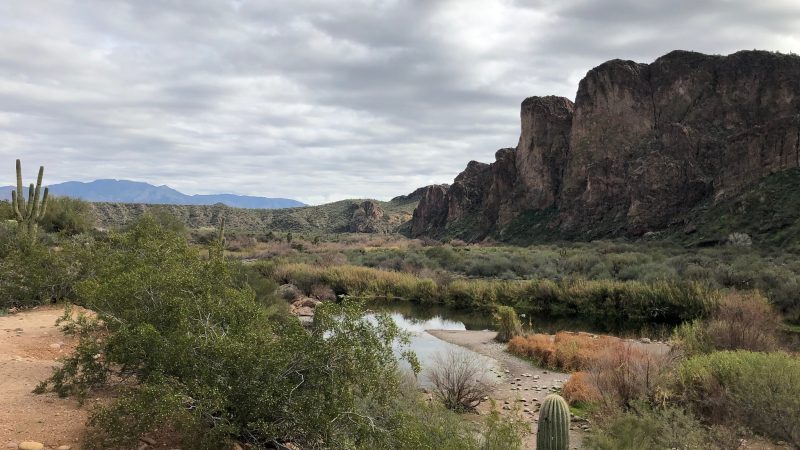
(320, 99)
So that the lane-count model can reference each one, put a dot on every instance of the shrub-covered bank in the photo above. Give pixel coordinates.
(606, 304)
(192, 349)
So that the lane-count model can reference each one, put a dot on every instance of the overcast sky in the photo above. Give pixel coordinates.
(318, 100)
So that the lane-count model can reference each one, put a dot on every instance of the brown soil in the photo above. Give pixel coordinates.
(517, 380)
(30, 345)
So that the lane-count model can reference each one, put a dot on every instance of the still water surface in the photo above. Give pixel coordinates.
(415, 319)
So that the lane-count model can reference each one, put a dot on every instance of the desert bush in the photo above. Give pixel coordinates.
(645, 427)
(240, 242)
(6, 210)
(459, 379)
(758, 390)
(288, 292)
(508, 324)
(579, 390)
(503, 433)
(32, 274)
(742, 320)
(263, 285)
(323, 293)
(204, 236)
(68, 216)
(164, 217)
(626, 372)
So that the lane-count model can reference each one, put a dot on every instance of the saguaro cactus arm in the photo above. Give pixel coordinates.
(43, 207)
(34, 208)
(17, 213)
(29, 209)
(20, 197)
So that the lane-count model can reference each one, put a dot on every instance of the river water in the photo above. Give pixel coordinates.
(415, 319)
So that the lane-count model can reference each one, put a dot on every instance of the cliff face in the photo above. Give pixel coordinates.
(642, 145)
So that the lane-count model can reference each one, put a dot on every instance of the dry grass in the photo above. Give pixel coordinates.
(580, 389)
(741, 321)
(625, 372)
(565, 351)
(607, 369)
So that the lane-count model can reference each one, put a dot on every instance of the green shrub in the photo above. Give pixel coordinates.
(67, 215)
(508, 324)
(165, 217)
(609, 305)
(172, 319)
(741, 320)
(645, 427)
(32, 274)
(503, 433)
(6, 211)
(758, 390)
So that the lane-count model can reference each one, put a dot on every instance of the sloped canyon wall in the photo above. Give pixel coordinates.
(641, 146)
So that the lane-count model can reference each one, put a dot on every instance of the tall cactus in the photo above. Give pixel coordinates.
(553, 431)
(217, 248)
(29, 215)
(221, 232)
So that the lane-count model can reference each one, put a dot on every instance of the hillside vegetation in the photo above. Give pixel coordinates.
(337, 217)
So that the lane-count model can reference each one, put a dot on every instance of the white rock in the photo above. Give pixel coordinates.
(30, 445)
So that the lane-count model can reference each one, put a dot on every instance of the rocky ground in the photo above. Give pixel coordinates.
(521, 386)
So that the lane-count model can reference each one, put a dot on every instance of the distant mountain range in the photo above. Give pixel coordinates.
(126, 191)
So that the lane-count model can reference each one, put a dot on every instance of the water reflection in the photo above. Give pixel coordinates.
(469, 320)
(423, 344)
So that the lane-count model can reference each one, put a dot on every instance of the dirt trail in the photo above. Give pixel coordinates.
(30, 344)
(517, 379)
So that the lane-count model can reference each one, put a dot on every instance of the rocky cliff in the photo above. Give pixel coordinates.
(641, 147)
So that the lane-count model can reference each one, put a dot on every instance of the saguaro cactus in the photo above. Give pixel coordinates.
(553, 431)
(28, 215)
(217, 248)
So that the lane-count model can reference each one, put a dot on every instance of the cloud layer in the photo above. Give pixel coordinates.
(318, 100)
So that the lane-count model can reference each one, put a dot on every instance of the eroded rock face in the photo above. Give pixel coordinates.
(368, 218)
(543, 148)
(641, 146)
(430, 216)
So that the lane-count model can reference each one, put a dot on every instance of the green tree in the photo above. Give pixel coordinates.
(178, 324)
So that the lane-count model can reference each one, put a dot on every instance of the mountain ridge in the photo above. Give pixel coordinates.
(128, 191)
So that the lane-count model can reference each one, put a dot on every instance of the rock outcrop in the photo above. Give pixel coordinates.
(368, 217)
(642, 146)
